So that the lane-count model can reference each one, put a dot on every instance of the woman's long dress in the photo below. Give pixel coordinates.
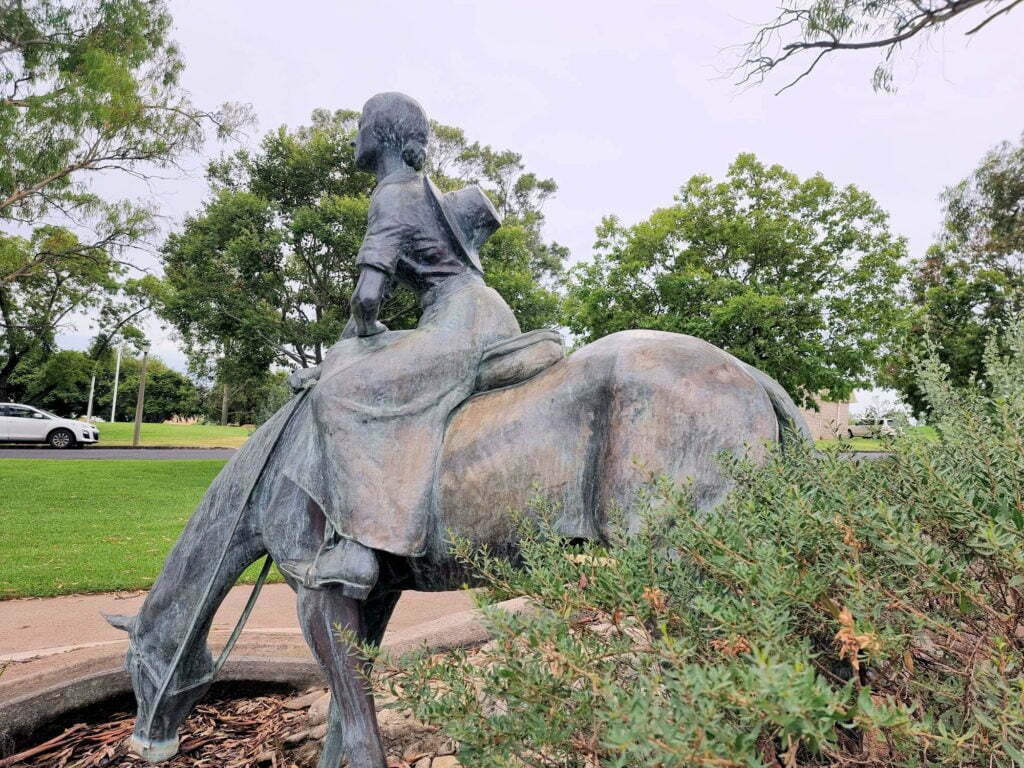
(382, 402)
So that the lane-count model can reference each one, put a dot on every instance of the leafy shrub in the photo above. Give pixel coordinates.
(831, 612)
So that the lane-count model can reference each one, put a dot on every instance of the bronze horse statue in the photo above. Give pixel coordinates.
(586, 433)
(400, 441)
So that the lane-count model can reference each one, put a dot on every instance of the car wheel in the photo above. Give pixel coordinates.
(61, 438)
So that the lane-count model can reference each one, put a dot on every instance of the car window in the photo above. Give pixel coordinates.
(19, 413)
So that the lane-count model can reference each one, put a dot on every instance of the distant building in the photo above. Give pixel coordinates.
(830, 419)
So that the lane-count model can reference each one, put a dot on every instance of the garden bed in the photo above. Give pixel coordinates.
(236, 726)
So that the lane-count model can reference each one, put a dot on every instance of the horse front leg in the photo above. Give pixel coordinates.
(377, 610)
(321, 611)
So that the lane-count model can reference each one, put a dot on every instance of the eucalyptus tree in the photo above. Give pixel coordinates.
(805, 32)
(263, 273)
(89, 88)
(96, 290)
(797, 277)
(970, 284)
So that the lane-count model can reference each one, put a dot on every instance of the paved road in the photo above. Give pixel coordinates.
(117, 453)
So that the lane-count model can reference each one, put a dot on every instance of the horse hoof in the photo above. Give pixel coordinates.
(153, 751)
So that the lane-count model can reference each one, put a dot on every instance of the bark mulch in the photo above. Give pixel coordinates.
(230, 733)
(259, 730)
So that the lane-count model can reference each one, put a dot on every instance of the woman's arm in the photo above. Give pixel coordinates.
(366, 300)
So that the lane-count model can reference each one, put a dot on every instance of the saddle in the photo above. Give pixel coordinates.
(522, 357)
(354, 568)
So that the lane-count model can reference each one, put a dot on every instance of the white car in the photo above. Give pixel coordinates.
(874, 428)
(26, 424)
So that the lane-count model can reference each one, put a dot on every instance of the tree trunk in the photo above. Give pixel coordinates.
(12, 353)
(140, 400)
(224, 406)
(5, 376)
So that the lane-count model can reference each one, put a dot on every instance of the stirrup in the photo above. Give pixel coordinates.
(346, 563)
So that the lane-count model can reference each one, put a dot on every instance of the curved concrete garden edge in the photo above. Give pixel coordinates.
(32, 702)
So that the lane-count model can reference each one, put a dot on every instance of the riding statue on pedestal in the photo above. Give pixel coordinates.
(402, 440)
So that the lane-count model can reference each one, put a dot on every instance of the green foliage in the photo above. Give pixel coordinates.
(264, 273)
(60, 383)
(526, 282)
(34, 307)
(969, 283)
(252, 399)
(88, 87)
(830, 612)
(515, 260)
(796, 277)
(168, 393)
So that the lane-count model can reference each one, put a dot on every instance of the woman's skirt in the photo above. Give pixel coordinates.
(379, 413)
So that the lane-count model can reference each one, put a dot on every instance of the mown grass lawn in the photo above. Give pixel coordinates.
(174, 435)
(69, 526)
(867, 444)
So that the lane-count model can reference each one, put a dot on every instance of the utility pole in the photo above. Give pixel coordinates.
(142, 396)
(117, 374)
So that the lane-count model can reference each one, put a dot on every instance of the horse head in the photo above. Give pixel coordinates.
(166, 687)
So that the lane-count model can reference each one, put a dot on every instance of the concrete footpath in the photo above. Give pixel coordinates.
(44, 634)
(44, 626)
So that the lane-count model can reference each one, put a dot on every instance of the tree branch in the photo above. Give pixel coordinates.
(904, 24)
(1007, 9)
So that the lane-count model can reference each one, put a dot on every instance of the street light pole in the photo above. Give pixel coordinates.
(142, 396)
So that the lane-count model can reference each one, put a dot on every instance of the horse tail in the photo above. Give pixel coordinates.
(792, 424)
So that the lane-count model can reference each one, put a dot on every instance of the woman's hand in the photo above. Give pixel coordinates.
(366, 301)
(303, 378)
(350, 329)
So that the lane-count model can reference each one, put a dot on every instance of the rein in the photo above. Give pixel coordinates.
(228, 647)
(165, 684)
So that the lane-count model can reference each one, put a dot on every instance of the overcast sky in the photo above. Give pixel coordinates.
(619, 102)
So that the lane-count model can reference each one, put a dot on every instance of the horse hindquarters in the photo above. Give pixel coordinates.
(678, 404)
(591, 431)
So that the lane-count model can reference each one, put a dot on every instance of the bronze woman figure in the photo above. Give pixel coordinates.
(383, 398)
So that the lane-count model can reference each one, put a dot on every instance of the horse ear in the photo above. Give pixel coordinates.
(121, 621)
